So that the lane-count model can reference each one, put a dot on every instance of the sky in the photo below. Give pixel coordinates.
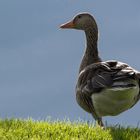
(39, 62)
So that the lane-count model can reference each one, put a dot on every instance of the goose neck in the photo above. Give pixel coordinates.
(91, 51)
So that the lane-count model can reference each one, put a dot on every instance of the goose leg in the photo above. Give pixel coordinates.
(100, 122)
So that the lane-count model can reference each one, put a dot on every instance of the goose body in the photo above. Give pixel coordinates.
(112, 87)
(103, 88)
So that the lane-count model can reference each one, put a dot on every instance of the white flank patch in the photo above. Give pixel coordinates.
(113, 101)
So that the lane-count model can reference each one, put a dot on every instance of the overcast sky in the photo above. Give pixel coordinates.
(39, 62)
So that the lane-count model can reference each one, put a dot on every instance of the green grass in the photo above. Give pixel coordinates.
(18, 129)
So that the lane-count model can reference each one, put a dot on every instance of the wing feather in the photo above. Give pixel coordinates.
(99, 76)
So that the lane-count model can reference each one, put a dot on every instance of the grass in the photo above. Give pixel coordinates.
(18, 129)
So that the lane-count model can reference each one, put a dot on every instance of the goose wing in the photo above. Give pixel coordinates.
(109, 74)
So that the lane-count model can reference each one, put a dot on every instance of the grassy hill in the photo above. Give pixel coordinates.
(17, 129)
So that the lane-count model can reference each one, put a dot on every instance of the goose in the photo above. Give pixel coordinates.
(104, 88)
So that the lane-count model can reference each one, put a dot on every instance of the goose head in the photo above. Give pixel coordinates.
(82, 21)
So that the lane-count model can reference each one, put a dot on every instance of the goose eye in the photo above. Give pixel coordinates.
(79, 16)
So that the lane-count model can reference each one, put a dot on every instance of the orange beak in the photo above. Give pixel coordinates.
(67, 25)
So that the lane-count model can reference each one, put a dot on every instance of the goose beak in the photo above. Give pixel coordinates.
(67, 25)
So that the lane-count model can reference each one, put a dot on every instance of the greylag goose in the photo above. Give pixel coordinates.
(103, 88)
